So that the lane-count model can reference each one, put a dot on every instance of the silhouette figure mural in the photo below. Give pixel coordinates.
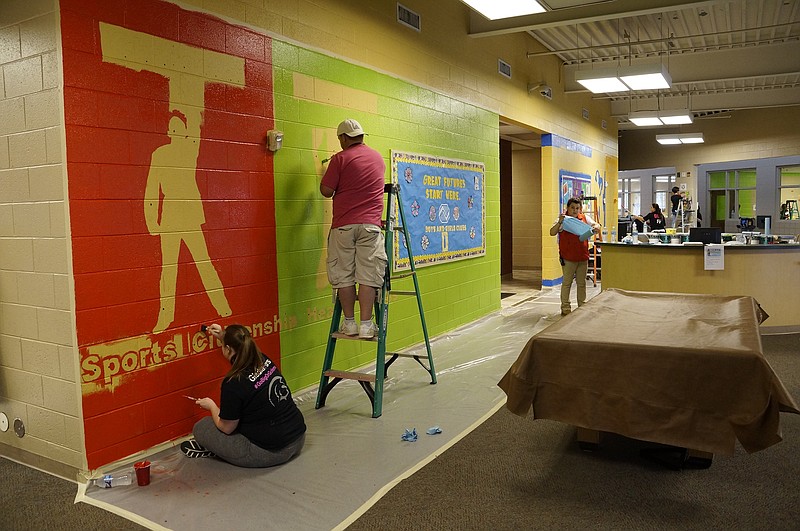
(173, 207)
(173, 210)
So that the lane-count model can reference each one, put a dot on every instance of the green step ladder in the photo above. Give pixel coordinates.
(331, 377)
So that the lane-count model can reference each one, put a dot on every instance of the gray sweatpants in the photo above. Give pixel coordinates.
(238, 450)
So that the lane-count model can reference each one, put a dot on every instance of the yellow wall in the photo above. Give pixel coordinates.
(750, 134)
(38, 363)
(601, 168)
(442, 57)
(527, 209)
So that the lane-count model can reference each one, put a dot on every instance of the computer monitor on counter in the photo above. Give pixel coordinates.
(705, 234)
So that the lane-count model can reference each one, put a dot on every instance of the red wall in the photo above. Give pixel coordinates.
(117, 117)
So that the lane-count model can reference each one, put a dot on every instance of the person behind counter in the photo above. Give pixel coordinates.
(675, 201)
(573, 253)
(654, 219)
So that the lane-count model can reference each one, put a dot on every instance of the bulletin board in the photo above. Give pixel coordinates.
(444, 208)
(572, 184)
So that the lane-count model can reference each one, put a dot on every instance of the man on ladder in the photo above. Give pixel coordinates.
(356, 253)
(359, 253)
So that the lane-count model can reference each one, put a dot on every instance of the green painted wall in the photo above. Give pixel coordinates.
(405, 118)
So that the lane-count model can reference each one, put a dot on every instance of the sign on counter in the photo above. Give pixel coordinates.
(714, 257)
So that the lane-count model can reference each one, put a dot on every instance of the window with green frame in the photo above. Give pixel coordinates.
(739, 199)
(788, 192)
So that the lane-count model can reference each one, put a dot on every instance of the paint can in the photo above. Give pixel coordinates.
(142, 473)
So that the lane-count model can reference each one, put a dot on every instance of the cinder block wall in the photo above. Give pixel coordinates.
(436, 91)
(527, 209)
(313, 93)
(38, 363)
(171, 207)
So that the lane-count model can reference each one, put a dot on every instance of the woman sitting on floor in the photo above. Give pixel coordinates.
(257, 423)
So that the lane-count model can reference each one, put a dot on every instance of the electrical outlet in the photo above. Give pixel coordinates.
(19, 427)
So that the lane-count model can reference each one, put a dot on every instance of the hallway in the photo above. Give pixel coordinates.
(344, 446)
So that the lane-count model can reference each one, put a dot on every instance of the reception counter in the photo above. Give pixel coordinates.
(768, 273)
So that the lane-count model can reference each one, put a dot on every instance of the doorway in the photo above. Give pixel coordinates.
(717, 210)
(520, 208)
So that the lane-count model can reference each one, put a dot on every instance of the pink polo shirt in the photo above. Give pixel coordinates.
(357, 177)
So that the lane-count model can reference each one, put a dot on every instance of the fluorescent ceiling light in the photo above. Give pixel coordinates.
(645, 118)
(600, 80)
(649, 118)
(676, 117)
(683, 138)
(495, 9)
(637, 77)
(645, 77)
(695, 138)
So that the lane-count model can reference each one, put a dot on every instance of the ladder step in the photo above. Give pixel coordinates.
(406, 355)
(339, 335)
(373, 384)
(347, 375)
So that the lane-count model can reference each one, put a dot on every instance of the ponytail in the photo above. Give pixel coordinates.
(247, 358)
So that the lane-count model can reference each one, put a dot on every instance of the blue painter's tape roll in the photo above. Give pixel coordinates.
(577, 227)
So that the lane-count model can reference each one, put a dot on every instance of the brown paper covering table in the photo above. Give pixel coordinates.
(672, 368)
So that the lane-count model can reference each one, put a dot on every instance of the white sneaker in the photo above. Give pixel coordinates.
(349, 328)
(367, 330)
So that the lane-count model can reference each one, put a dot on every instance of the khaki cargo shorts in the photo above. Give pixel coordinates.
(356, 254)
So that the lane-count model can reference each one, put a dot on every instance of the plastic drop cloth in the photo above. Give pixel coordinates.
(350, 459)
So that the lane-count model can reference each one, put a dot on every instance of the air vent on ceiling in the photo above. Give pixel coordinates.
(406, 17)
(504, 68)
(721, 113)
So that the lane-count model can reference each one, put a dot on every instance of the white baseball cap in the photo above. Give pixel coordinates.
(350, 128)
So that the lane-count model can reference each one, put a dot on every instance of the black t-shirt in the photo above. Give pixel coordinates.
(675, 199)
(655, 220)
(264, 407)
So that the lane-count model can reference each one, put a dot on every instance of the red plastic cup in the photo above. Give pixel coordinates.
(142, 473)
